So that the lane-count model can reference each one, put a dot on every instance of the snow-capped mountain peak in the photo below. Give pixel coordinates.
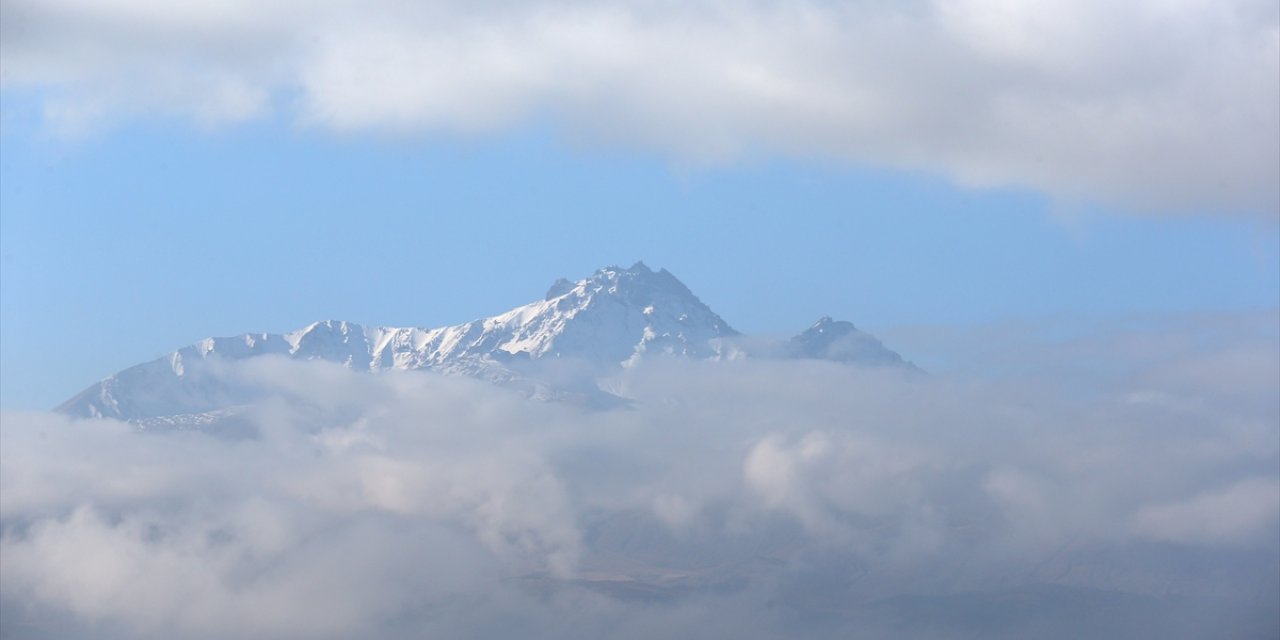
(615, 317)
(605, 319)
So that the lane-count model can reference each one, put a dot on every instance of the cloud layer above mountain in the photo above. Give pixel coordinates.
(1151, 105)
(735, 499)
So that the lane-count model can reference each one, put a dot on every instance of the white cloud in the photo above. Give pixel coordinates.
(1245, 511)
(1152, 105)
(739, 499)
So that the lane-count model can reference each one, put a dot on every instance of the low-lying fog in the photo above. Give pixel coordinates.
(731, 500)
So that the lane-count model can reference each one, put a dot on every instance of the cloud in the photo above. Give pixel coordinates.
(737, 499)
(1244, 510)
(1156, 106)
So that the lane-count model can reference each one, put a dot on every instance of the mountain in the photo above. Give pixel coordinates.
(840, 341)
(614, 318)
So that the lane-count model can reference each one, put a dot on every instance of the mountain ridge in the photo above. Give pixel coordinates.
(615, 317)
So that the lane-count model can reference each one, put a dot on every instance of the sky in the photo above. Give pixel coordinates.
(174, 173)
(1067, 212)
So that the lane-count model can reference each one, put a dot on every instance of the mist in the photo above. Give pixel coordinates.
(743, 499)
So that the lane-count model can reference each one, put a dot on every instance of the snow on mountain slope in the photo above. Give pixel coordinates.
(615, 317)
(611, 317)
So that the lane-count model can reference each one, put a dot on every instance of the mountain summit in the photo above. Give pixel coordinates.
(613, 316)
(616, 317)
(840, 341)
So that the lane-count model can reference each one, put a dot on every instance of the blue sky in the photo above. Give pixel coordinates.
(139, 212)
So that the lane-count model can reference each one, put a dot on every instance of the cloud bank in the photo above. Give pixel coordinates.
(1155, 106)
(740, 499)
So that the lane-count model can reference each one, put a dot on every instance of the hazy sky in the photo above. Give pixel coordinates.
(173, 172)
